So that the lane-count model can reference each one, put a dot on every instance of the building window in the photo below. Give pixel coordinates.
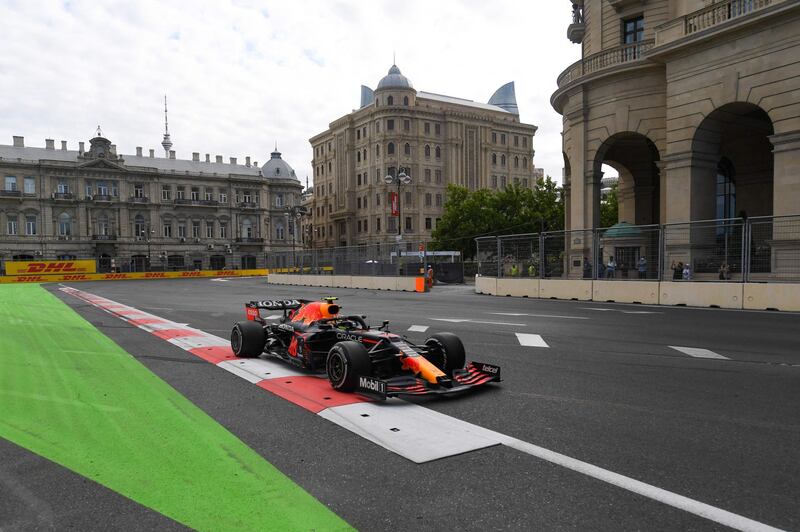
(726, 190)
(102, 225)
(378, 176)
(279, 199)
(516, 140)
(62, 187)
(438, 177)
(390, 148)
(378, 199)
(405, 101)
(223, 230)
(11, 225)
(427, 128)
(358, 134)
(390, 124)
(390, 101)
(633, 31)
(428, 199)
(502, 138)
(407, 149)
(502, 181)
(11, 183)
(167, 227)
(358, 225)
(524, 142)
(30, 185)
(437, 129)
(494, 137)
(428, 224)
(209, 194)
(494, 158)
(408, 199)
(364, 155)
(427, 175)
(182, 230)
(30, 224)
(525, 182)
(516, 162)
(358, 179)
(114, 189)
(377, 127)
(427, 151)
(209, 229)
(438, 200)
(138, 226)
(502, 160)
(438, 152)
(247, 227)
(524, 162)
(223, 197)
(358, 203)
(195, 194)
(408, 223)
(179, 193)
(377, 225)
(377, 150)
(364, 133)
(358, 156)
(64, 224)
(406, 125)
(494, 181)
(138, 190)
(391, 225)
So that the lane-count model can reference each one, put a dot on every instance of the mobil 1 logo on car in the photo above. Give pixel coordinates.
(370, 384)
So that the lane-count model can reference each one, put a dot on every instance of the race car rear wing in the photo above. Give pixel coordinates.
(277, 304)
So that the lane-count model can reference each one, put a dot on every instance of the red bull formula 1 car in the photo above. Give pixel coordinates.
(356, 357)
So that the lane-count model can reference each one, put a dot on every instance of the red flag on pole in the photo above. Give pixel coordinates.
(394, 200)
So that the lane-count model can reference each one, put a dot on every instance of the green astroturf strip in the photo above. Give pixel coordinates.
(70, 394)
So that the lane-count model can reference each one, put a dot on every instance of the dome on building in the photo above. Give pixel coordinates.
(394, 80)
(277, 167)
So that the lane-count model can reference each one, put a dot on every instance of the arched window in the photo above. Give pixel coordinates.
(516, 162)
(726, 190)
(64, 224)
(138, 225)
(390, 101)
(365, 155)
(438, 152)
(524, 162)
(405, 101)
(279, 231)
(358, 156)
(377, 150)
(407, 149)
(390, 148)
(427, 151)
(502, 160)
(494, 158)
(247, 228)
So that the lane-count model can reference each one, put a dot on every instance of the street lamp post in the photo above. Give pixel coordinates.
(401, 179)
(294, 213)
(150, 232)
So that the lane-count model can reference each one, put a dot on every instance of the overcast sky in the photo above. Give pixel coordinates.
(242, 75)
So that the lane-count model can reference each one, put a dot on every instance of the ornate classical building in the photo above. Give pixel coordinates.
(696, 103)
(432, 138)
(133, 212)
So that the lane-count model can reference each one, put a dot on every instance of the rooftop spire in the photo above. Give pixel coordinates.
(166, 143)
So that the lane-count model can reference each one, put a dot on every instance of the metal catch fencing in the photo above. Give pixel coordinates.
(758, 249)
(377, 259)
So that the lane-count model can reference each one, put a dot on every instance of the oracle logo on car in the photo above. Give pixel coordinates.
(372, 385)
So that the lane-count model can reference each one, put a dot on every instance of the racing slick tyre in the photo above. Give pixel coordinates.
(247, 339)
(345, 363)
(446, 352)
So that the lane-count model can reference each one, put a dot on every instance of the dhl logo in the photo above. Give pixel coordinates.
(191, 274)
(53, 267)
(156, 275)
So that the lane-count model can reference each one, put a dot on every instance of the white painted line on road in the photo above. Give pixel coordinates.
(221, 280)
(598, 309)
(540, 315)
(418, 328)
(698, 352)
(466, 320)
(639, 312)
(531, 340)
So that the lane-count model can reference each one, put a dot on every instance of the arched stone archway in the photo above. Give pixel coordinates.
(637, 160)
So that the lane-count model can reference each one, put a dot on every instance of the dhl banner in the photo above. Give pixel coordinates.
(50, 267)
(49, 278)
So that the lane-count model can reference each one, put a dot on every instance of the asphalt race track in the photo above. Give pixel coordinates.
(699, 403)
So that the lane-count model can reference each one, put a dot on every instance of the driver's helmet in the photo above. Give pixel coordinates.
(316, 310)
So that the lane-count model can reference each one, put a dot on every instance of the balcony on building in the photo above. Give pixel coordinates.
(102, 238)
(10, 193)
(102, 198)
(247, 205)
(577, 30)
(249, 240)
(63, 196)
(139, 199)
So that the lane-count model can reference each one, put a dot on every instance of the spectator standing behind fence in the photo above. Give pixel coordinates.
(514, 270)
(642, 267)
(687, 272)
(724, 272)
(587, 268)
(677, 271)
(611, 267)
(531, 271)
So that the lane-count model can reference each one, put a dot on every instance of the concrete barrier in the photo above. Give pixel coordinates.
(517, 287)
(701, 294)
(486, 285)
(780, 296)
(345, 281)
(645, 292)
(565, 289)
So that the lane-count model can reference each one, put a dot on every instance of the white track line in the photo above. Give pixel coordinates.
(698, 352)
(540, 315)
(418, 328)
(531, 340)
(467, 320)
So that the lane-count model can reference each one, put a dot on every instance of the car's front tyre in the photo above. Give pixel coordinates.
(247, 339)
(446, 352)
(345, 363)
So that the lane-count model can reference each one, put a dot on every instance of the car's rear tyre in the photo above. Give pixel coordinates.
(247, 339)
(446, 352)
(345, 363)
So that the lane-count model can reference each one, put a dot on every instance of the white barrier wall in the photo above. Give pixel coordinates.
(644, 292)
(407, 284)
(781, 296)
(701, 294)
(517, 287)
(565, 289)
(486, 285)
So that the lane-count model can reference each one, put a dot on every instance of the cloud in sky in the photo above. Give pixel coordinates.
(242, 75)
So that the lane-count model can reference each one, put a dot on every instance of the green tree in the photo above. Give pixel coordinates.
(609, 208)
(514, 210)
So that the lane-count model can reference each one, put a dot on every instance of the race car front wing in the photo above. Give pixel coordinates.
(475, 374)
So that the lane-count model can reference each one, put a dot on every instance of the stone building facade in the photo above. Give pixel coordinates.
(434, 139)
(694, 102)
(137, 212)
